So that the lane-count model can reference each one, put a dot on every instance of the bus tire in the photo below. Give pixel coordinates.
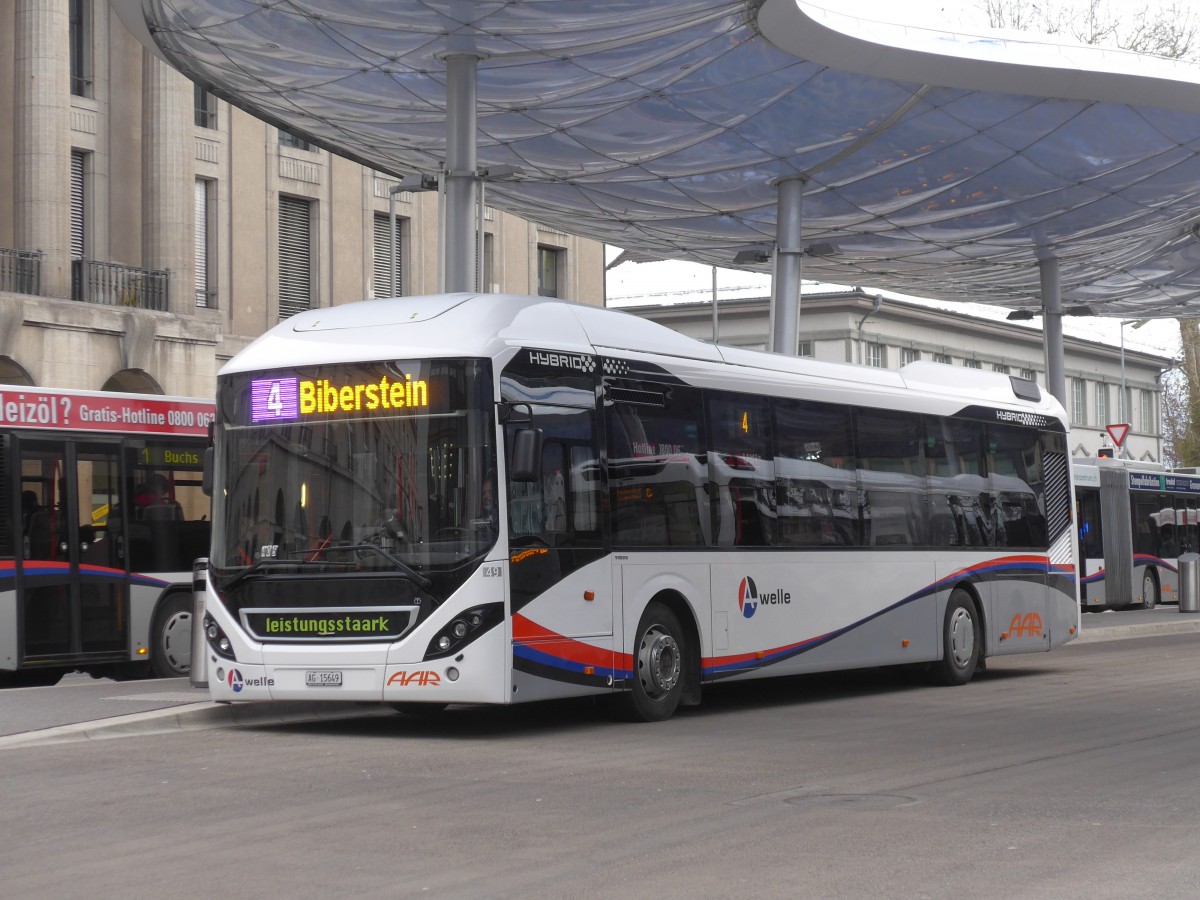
(1150, 594)
(171, 636)
(659, 667)
(962, 641)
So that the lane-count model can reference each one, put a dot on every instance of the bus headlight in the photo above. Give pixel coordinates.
(217, 639)
(463, 629)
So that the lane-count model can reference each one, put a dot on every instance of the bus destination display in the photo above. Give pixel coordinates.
(289, 399)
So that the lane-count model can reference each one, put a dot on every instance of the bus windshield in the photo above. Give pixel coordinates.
(384, 467)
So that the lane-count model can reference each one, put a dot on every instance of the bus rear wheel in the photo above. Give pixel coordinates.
(171, 636)
(659, 661)
(1149, 589)
(962, 643)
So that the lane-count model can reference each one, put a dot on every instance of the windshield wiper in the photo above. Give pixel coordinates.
(400, 564)
(258, 568)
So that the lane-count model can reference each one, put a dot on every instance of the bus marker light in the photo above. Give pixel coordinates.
(142, 651)
(904, 643)
(589, 596)
(589, 670)
(759, 654)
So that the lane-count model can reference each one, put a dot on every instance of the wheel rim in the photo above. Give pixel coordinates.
(659, 663)
(962, 637)
(177, 642)
(1148, 590)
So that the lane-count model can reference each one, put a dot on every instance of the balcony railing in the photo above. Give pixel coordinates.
(21, 271)
(113, 284)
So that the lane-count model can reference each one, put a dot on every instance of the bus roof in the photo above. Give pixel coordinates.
(497, 325)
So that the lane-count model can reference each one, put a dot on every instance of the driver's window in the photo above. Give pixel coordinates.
(562, 506)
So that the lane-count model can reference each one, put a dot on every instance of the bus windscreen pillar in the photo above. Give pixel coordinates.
(789, 256)
(1052, 332)
(459, 251)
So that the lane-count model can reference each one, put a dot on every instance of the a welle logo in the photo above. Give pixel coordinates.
(237, 683)
(749, 597)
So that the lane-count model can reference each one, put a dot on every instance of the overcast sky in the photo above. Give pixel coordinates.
(668, 282)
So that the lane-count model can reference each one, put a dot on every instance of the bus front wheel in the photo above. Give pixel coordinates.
(659, 660)
(962, 643)
(171, 636)
(1149, 589)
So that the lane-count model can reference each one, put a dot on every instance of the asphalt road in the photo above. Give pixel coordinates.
(1069, 774)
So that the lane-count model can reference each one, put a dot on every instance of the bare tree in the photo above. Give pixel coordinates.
(1170, 29)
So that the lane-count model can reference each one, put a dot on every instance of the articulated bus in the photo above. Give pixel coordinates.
(498, 499)
(1135, 519)
(102, 511)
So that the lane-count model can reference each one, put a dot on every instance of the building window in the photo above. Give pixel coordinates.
(205, 221)
(1149, 426)
(972, 364)
(1078, 401)
(877, 356)
(206, 108)
(79, 187)
(549, 266)
(1102, 404)
(1029, 374)
(806, 349)
(388, 280)
(909, 355)
(80, 16)
(295, 255)
(943, 358)
(1001, 368)
(287, 139)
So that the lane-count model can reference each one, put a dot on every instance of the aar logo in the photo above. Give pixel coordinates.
(749, 598)
(236, 682)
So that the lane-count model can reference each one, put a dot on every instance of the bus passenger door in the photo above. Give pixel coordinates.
(561, 579)
(73, 599)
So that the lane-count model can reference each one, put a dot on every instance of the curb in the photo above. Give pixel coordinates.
(190, 717)
(1190, 625)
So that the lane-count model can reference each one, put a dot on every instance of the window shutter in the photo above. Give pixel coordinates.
(381, 281)
(77, 210)
(201, 214)
(295, 271)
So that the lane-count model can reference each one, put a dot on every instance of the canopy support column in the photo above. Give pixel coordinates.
(459, 257)
(789, 256)
(1052, 332)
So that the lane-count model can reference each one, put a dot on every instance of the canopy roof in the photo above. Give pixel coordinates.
(936, 164)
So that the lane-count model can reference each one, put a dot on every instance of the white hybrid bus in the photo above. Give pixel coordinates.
(1135, 519)
(499, 499)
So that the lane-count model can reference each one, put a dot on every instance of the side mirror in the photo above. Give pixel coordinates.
(206, 479)
(525, 464)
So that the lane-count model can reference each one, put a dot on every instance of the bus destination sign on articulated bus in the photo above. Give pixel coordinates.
(495, 499)
(101, 514)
